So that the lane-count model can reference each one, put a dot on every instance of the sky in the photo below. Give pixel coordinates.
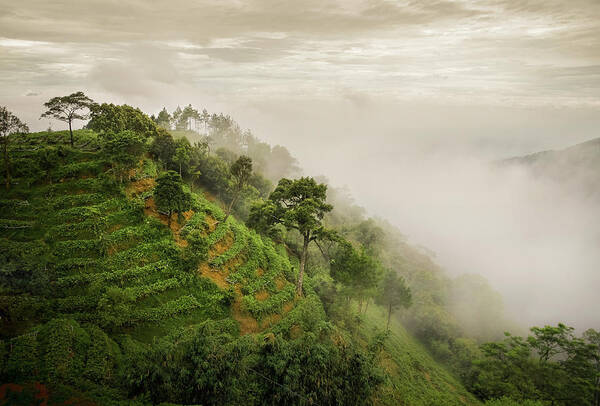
(403, 102)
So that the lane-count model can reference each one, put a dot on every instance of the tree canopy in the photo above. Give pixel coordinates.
(75, 106)
(299, 205)
(393, 293)
(170, 196)
(113, 118)
(240, 171)
(124, 150)
(9, 124)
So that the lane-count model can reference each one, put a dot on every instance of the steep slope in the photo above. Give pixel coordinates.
(94, 282)
(413, 376)
(110, 262)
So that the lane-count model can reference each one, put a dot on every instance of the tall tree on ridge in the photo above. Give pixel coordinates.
(69, 108)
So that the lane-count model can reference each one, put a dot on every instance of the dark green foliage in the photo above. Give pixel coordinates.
(355, 269)
(123, 150)
(551, 365)
(111, 118)
(169, 195)
(163, 119)
(76, 106)
(9, 124)
(393, 293)
(240, 171)
(163, 148)
(209, 365)
(297, 205)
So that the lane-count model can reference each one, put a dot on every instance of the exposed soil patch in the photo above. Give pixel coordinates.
(279, 282)
(221, 246)
(218, 277)
(288, 306)
(248, 324)
(262, 295)
(150, 209)
(211, 222)
(259, 272)
(139, 186)
(295, 331)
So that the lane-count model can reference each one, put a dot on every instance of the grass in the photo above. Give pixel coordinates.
(413, 377)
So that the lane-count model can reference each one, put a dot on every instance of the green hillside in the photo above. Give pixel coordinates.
(95, 285)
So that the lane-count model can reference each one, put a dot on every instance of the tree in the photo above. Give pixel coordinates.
(592, 337)
(205, 117)
(9, 124)
(163, 148)
(183, 151)
(551, 365)
(124, 150)
(296, 204)
(75, 106)
(164, 119)
(240, 170)
(394, 294)
(355, 269)
(169, 195)
(114, 118)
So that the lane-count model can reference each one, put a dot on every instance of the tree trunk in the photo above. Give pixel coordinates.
(303, 262)
(6, 163)
(366, 305)
(360, 302)
(389, 316)
(230, 207)
(71, 132)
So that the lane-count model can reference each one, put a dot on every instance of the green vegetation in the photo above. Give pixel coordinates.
(105, 297)
(75, 106)
(9, 124)
(297, 205)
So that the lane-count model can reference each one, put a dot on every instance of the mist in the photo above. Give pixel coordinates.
(433, 172)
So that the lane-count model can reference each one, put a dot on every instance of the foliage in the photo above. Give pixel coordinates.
(296, 204)
(111, 118)
(123, 149)
(240, 171)
(550, 365)
(393, 293)
(170, 196)
(9, 124)
(356, 269)
(76, 106)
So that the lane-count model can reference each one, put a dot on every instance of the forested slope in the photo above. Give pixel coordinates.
(102, 300)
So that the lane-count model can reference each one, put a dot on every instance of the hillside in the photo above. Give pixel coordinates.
(575, 167)
(101, 301)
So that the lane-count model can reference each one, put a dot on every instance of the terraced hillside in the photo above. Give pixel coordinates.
(107, 257)
(102, 301)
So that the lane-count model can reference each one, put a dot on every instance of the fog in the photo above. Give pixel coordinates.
(431, 171)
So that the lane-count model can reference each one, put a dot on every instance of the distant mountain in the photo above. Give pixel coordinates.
(577, 167)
